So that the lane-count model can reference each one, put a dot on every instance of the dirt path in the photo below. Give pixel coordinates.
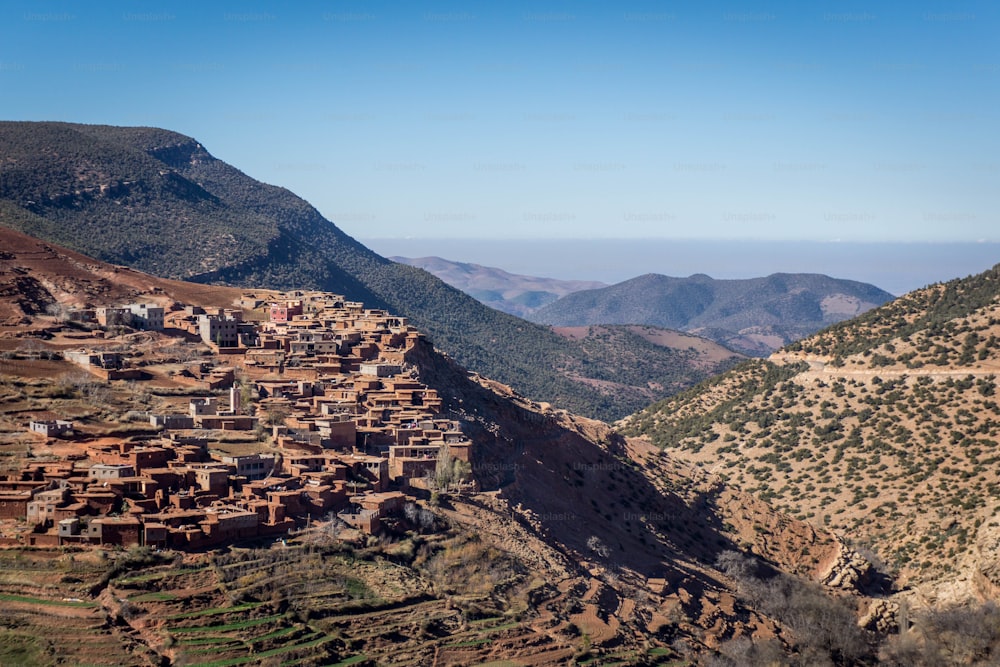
(820, 369)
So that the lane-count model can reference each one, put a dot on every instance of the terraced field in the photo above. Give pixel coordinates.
(309, 605)
(448, 598)
(190, 616)
(48, 618)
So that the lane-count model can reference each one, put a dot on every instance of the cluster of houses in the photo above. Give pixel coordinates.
(352, 434)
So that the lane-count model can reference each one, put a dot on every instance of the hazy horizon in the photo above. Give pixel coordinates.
(894, 267)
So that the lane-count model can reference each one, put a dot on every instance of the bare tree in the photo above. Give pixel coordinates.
(58, 311)
(444, 471)
(276, 415)
(745, 652)
(595, 544)
(737, 566)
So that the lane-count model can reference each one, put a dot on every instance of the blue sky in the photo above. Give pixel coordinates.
(712, 120)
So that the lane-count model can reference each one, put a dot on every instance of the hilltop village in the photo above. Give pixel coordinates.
(319, 387)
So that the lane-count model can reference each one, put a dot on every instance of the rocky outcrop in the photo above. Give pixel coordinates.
(987, 564)
(881, 616)
(850, 571)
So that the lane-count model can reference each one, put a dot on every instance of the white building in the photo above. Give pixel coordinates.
(219, 330)
(146, 316)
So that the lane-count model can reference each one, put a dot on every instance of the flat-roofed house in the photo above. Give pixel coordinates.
(146, 316)
(52, 428)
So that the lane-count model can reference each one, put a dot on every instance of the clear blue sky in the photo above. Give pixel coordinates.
(814, 120)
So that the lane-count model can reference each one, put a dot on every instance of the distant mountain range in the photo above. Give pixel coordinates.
(754, 316)
(508, 292)
(158, 201)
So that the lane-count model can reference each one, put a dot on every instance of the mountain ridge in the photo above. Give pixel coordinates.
(516, 294)
(754, 316)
